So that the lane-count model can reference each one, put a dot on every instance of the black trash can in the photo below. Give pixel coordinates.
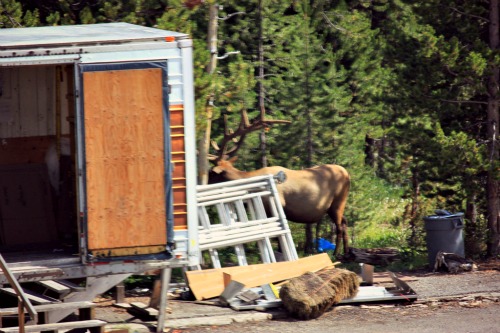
(444, 233)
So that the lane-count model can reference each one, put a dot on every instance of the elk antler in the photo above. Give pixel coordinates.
(237, 137)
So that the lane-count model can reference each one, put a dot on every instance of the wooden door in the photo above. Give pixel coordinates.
(125, 162)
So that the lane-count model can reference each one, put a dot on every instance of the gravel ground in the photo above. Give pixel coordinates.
(466, 302)
(462, 303)
(435, 285)
(450, 319)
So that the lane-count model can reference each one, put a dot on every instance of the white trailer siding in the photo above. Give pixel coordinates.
(40, 74)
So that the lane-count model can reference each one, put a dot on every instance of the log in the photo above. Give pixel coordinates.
(452, 263)
(312, 294)
(376, 257)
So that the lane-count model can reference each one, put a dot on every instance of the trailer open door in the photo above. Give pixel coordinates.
(125, 177)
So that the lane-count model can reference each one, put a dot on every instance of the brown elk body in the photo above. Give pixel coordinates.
(306, 195)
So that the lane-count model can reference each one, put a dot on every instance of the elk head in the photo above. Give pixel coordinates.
(233, 140)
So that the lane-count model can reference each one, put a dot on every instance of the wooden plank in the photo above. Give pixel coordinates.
(73, 286)
(6, 102)
(209, 283)
(33, 297)
(24, 150)
(50, 307)
(384, 277)
(55, 286)
(28, 104)
(124, 140)
(26, 205)
(57, 326)
(144, 309)
(128, 251)
(45, 101)
(177, 137)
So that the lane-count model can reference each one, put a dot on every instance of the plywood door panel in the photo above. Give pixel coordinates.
(124, 151)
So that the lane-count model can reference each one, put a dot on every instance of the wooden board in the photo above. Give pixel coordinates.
(24, 150)
(90, 324)
(26, 206)
(384, 277)
(124, 150)
(209, 283)
(179, 165)
(28, 101)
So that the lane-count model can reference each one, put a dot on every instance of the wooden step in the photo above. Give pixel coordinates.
(32, 296)
(93, 326)
(23, 273)
(57, 288)
(73, 286)
(144, 309)
(50, 307)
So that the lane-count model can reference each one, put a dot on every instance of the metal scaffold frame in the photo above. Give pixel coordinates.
(243, 211)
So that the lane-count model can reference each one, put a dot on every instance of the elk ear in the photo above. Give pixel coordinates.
(233, 159)
(217, 169)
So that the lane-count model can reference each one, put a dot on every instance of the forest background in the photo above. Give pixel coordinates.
(403, 94)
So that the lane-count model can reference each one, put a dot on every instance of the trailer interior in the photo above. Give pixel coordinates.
(38, 187)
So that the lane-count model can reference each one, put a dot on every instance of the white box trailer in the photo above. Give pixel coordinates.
(97, 152)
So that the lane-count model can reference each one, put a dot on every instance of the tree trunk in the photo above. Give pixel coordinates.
(212, 37)
(263, 141)
(204, 143)
(381, 156)
(309, 246)
(369, 151)
(413, 241)
(492, 187)
(472, 235)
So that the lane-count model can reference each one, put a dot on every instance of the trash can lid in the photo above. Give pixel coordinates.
(439, 216)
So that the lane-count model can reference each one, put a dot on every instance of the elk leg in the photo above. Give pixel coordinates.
(309, 247)
(345, 235)
(337, 217)
(339, 233)
(318, 235)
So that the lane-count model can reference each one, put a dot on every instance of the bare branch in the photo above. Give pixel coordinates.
(230, 15)
(463, 102)
(470, 15)
(330, 24)
(228, 54)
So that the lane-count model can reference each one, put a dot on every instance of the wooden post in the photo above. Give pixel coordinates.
(20, 314)
(156, 294)
(120, 293)
(166, 273)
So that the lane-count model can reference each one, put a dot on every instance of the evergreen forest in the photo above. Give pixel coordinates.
(403, 94)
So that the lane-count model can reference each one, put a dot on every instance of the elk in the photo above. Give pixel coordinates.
(306, 195)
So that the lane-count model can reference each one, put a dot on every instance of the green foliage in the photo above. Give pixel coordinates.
(412, 76)
(11, 14)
